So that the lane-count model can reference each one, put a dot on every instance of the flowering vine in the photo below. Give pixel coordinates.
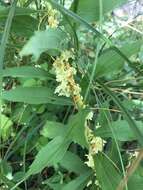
(65, 76)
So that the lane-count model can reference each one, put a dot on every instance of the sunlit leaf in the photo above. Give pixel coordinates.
(50, 40)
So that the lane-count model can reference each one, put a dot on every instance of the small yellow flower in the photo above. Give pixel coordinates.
(90, 116)
(53, 15)
(52, 22)
(90, 161)
(66, 55)
(65, 76)
(96, 145)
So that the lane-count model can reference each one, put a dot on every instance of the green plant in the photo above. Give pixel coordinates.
(71, 98)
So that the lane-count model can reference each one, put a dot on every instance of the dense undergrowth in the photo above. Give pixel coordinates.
(71, 77)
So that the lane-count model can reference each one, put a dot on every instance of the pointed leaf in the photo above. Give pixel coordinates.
(52, 129)
(18, 11)
(107, 175)
(50, 40)
(34, 95)
(49, 155)
(55, 150)
(26, 72)
(110, 62)
(73, 163)
(121, 130)
(79, 183)
(77, 122)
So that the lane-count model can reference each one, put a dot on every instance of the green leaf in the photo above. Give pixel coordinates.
(49, 155)
(6, 127)
(90, 10)
(19, 11)
(50, 40)
(80, 182)
(121, 130)
(52, 129)
(6, 169)
(75, 128)
(126, 114)
(8, 183)
(107, 175)
(4, 41)
(136, 180)
(73, 163)
(24, 25)
(110, 62)
(18, 176)
(132, 104)
(26, 72)
(34, 95)
(54, 182)
(55, 150)
(78, 122)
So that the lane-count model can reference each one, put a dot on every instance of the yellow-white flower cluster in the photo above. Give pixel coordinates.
(53, 15)
(96, 144)
(65, 77)
(90, 161)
